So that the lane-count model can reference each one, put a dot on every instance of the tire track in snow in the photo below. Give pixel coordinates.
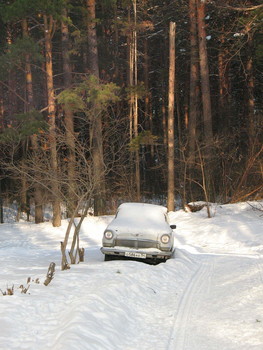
(201, 280)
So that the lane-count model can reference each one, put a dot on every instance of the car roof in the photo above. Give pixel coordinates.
(132, 217)
(145, 207)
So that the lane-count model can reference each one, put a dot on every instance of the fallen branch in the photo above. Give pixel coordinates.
(260, 208)
(242, 197)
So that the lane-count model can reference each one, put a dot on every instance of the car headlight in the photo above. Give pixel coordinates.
(165, 239)
(108, 234)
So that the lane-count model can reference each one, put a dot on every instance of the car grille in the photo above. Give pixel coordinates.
(134, 243)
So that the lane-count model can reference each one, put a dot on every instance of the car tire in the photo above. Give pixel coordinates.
(108, 257)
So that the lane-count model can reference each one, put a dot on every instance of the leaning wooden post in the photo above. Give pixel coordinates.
(50, 273)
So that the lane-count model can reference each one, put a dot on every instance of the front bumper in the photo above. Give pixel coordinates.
(137, 253)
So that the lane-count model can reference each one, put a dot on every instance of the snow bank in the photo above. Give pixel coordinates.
(209, 296)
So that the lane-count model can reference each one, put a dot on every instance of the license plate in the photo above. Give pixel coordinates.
(135, 255)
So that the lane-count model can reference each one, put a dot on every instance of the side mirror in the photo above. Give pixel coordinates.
(173, 227)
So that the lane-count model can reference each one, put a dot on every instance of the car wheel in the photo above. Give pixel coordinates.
(108, 257)
(157, 261)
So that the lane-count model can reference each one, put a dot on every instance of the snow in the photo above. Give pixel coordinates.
(136, 217)
(207, 297)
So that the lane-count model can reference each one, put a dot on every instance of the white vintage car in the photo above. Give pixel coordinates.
(139, 231)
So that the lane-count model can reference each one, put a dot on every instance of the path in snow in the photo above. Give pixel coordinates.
(206, 298)
(222, 302)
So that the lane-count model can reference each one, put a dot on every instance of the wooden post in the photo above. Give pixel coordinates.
(50, 273)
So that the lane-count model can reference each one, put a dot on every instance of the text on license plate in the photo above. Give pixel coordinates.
(135, 255)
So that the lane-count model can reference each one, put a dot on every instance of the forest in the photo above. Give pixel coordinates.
(105, 101)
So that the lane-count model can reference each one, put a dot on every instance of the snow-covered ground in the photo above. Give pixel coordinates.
(208, 297)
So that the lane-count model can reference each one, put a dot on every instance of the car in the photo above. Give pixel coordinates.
(140, 231)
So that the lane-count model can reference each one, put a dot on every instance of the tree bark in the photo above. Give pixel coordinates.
(39, 216)
(135, 107)
(171, 185)
(194, 82)
(96, 119)
(2, 109)
(204, 73)
(69, 119)
(133, 102)
(251, 98)
(206, 98)
(12, 97)
(164, 119)
(48, 28)
(93, 64)
(224, 97)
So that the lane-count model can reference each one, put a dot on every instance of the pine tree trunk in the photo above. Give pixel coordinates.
(171, 185)
(147, 104)
(251, 97)
(206, 98)
(194, 82)
(12, 98)
(69, 120)
(48, 27)
(164, 120)
(2, 109)
(224, 97)
(24, 199)
(1, 204)
(133, 102)
(135, 108)
(93, 64)
(116, 45)
(39, 216)
(96, 119)
(204, 73)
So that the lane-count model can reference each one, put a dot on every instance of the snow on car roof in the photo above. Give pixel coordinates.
(140, 216)
(148, 209)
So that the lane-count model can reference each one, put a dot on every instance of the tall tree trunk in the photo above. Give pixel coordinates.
(194, 82)
(147, 102)
(133, 103)
(39, 216)
(116, 45)
(12, 97)
(164, 118)
(251, 97)
(224, 97)
(93, 62)
(96, 120)
(24, 198)
(148, 116)
(48, 28)
(69, 119)
(1, 205)
(206, 98)
(2, 109)
(204, 73)
(171, 187)
(135, 108)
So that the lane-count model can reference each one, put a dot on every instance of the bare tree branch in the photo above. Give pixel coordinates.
(14, 92)
(252, 8)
